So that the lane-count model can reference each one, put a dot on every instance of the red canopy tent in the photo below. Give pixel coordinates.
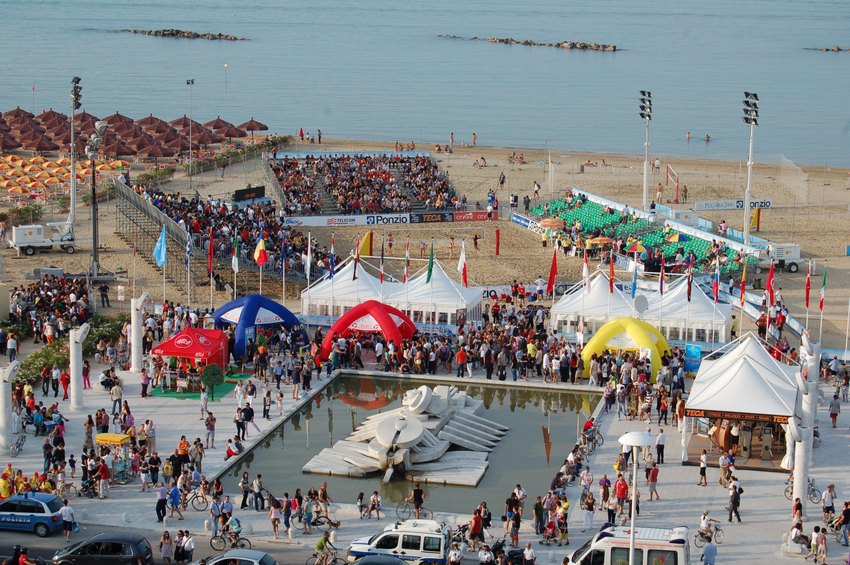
(202, 346)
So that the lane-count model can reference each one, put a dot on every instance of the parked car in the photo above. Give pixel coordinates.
(31, 512)
(113, 548)
(242, 557)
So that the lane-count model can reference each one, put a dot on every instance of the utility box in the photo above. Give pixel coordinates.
(746, 439)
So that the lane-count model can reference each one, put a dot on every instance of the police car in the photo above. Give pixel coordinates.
(421, 541)
(31, 512)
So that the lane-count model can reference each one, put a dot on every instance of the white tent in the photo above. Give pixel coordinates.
(746, 379)
(596, 303)
(440, 301)
(699, 316)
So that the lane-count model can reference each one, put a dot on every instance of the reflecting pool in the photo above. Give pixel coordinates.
(543, 428)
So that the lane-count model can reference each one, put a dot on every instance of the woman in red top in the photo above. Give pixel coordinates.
(476, 530)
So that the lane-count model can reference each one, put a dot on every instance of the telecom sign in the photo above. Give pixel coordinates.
(714, 205)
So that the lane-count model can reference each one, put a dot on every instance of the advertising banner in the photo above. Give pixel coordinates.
(475, 216)
(693, 357)
(337, 221)
(429, 217)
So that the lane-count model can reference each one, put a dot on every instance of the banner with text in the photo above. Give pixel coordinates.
(337, 221)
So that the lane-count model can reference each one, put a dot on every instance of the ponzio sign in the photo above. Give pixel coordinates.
(713, 205)
(387, 219)
(342, 221)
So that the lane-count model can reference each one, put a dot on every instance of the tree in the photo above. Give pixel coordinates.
(212, 377)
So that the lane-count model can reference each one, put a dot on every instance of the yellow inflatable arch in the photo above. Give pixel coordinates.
(642, 335)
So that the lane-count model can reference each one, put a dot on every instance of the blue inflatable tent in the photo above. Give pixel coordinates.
(254, 310)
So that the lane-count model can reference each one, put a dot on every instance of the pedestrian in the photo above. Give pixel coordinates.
(161, 500)
(188, 545)
(104, 295)
(175, 500)
(209, 424)
(827, 502)
(528, 555)
(845, 524)
(834, 409)
(67, 514)
(203, 402)
(735, 503)
(12, 347)
(267, 405)
(653, 482)
(660, 440)
(814, 549)
(215, 515)
(589, 505)
(475, 530)
(245, 487)
(166, 548)
(709, 552)
(703, 465)
(539, 516)
(257, 491)
(274, 516)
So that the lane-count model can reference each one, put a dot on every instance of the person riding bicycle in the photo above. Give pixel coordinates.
(705, 524)
(233, 527)
(325, 549)
(417, 497)
(589, 431)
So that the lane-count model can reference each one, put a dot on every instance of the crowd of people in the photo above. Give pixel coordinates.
(360, 184)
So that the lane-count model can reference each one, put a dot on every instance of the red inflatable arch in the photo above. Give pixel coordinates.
(371, 317)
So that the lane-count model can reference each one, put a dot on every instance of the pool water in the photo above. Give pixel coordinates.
(542, 424)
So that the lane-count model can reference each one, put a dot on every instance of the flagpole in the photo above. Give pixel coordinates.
(134, 270)
(333, 237)
(261, 279)
(808, 290)
(283, 277)
(847, 331)
(188, 283)
(822, 304)
(163, 283)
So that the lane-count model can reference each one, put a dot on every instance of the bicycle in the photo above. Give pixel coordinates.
(813, 493)
(221, 541)
(333, 560)
(199, 502)
(18, 446)
(595, 440)
(700, 538)
(408, 510)
(325, 523)
(68, 490)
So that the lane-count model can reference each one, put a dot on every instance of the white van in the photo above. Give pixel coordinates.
(653, 546)
(417, 541)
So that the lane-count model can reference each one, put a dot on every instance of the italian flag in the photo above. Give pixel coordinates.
(823, 290)
(461, 264)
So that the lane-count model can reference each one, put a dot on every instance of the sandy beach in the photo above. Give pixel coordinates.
(809, 208)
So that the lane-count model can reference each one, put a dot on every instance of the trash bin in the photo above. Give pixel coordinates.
(767, 444)
(746, 439)
(581, 168)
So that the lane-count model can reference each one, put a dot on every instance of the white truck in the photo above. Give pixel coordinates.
(28, 239)
(785, 256)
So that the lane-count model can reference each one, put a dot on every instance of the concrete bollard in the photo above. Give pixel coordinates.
(248, 527)
(333, 537)
(125, 518)
(207, 526)
(84, 513)
(289, 533)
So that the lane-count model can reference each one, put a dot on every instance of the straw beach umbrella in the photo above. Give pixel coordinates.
(218, 124)
(253, 125)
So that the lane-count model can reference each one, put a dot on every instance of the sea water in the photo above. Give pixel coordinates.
(543, 430)
(377, 69)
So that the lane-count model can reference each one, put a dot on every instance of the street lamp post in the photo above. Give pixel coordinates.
(751, 118)
(76, 95)
(189, 83)
(91, 153)
(634, 440)
(646, 115)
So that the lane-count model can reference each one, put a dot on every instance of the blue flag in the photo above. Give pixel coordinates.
(634, 281)
(188, 248)
(159, 252)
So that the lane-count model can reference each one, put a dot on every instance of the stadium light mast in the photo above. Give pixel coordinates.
(751, 118)
(646, 115)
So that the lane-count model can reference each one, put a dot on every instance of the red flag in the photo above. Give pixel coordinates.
(770, 291)
(210, 253)
(553, 272)
(382, 259)
(611, 273)
(808, 283)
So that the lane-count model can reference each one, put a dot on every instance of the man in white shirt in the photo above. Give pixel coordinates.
(67, 514)
(660, 440)
(528, 555)
(188, 544)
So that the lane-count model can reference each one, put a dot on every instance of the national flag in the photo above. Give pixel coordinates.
(356, 260)
(234, 261)
(382, 259)
(611, 273)
(283, 258)
(744, 285)
(188, 248)
(260, 255)
(770, 290)
(823, 290)
(553, 272)
(430, 263)
(661, 277)
(808, 283)
(585, 274)
(690, 281)
(332, 258)
(461, 264)
(715, 284)
(159, 252)
(210, 254)
(406, 261)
